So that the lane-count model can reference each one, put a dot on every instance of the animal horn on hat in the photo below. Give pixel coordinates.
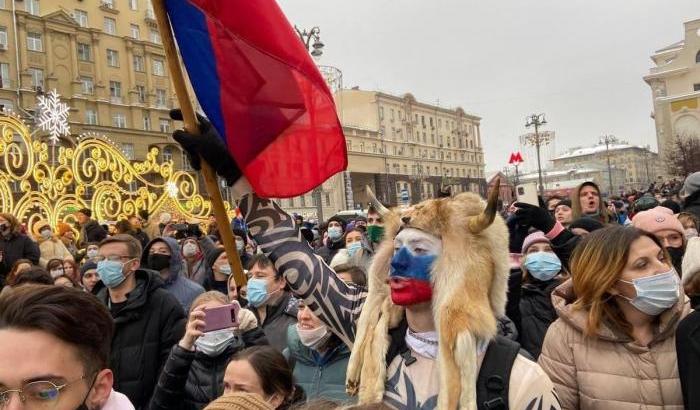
(485, 219)
(381, 209)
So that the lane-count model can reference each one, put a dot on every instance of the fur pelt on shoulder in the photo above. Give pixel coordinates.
(469, 281)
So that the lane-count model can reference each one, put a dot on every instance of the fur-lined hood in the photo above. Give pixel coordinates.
(469, 278)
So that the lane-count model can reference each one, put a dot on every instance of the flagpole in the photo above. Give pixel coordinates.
(190, 120)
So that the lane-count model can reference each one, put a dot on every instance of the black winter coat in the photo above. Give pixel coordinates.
(688, 350)
(146, 328)
(536, 314)
(692, 204)
(191, 380)
(327, 252)
(277, 320)
(17, 246)
(91, 232)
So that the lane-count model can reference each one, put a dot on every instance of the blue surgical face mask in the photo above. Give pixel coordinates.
(257, 292)
(335, 232)
(353, 248)
(111, 273)
(655, 293)
(542, 266)
(225, 269)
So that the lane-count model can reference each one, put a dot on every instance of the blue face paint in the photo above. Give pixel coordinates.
(406, 264)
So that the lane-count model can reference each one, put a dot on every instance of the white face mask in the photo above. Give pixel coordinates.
(91, 253)
(313, 338)
(691, 233)
(655, 293)
(46, 233)
(214, 343)
(56, 273)
(189, 249)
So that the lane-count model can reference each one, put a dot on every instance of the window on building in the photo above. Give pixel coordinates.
(91, 116)
(110, 25)
(164, 125)
(161, 100)
(133, 4)
(81, 17)
(5, 75)
(141, 93)
(34, 42)
(119, 120)
(167, 154)
(3, 37)
(146, 121)
(112, 58)
(37, 75)
(86, 86)
(128, 150)
(154, 36)
(696, 87)
(107, 3)
(139, 65)
(158, 67)
(135, 31)
(697, 57)
(32, 7)
(302, 199)
(84, 52)
(115, 89)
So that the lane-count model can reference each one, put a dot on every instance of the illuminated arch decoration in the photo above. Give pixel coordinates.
(55, 181)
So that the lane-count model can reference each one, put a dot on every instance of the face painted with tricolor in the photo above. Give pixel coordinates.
(415, 252)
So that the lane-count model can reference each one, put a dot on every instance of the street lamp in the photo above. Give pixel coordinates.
(607, 140)
(537, 140)
(316, 51)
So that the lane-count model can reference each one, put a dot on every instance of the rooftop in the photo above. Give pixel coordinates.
(580, 152)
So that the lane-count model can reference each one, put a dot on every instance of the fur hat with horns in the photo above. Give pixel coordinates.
(469, 279)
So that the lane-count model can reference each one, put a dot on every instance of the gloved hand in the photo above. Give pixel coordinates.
(530, 215)
(246, 320)
(207, 146)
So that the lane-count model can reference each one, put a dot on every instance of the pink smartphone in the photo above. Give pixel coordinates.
(221, 317)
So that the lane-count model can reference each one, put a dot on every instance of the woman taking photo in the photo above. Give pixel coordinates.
(614, 345)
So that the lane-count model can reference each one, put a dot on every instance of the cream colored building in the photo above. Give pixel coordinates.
(641, 166)
(562, 182)
(106, 61)
(675, 86)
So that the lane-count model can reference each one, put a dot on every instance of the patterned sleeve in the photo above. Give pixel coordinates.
(310, 279)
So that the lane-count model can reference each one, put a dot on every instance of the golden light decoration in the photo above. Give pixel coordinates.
(53, 182)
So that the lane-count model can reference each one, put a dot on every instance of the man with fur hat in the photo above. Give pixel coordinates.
(426, 332)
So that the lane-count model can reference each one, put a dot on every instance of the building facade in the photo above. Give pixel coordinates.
(640, 164)
(104, 58)
(675, 88)
(562, 182)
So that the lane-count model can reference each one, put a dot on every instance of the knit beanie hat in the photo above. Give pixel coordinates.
(239, 401)
(213, 255)
(691, 184)
(691, 260)
(62, 228)
(339, 220)
(565, 202)
(88, 266)
(657, 219)
(588, 224)
(533, 238)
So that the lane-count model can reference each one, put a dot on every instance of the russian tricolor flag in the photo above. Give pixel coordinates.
(259, 87)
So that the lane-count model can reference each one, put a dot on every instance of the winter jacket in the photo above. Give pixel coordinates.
(141, 236)
(146, 328)
(688, 348)
(184, 290)
(327, 252)
(91, 232)
(190, 380)
(321, 375)
(611, 371)
(52, 249)
(16, 246)
(278, 319)
(536, 314)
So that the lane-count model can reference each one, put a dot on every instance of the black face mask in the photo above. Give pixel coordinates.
(676, 258)
(157, 261)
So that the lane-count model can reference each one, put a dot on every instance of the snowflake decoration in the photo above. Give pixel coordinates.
(171, 189)
(53, 116)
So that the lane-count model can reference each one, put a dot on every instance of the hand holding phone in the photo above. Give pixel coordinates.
(527, 193)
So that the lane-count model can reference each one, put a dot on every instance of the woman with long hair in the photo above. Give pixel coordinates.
(14, 245)
(613, 345)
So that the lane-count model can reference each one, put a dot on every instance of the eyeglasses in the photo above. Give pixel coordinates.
(113, 258)
(36, 395)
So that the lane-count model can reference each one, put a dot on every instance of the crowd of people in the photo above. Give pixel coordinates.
(575, 303)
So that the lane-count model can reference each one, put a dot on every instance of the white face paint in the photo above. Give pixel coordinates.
(418, 242)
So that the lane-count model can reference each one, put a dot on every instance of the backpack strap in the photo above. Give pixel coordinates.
(494, 375)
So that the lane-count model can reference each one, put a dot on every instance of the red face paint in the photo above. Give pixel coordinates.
(406, 292)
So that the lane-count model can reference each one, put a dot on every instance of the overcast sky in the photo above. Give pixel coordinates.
(579, 61)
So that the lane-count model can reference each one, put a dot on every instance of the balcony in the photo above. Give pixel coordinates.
(108, 6)
(150, 18)
(115, 100)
